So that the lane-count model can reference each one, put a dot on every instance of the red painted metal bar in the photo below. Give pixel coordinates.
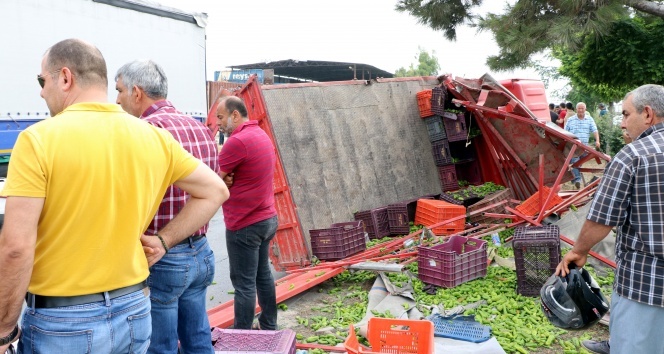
(500, 216)
(584, 192)
(552, 131)
(506, 146)
(592, 170)
(554, 188)
(522, 216)
(481, 210)
(482, 122)
(488, 231)
(596, 255)
(540, 187)
(222, 316)
(585, 159)
(349, 262)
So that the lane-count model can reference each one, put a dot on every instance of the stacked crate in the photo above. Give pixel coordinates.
(338, 241)
(431, 104)
(376, 222)
(455, 126)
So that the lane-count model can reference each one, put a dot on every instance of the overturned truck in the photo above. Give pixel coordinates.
(358, 145)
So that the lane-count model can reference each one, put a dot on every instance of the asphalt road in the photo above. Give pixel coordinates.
(217, 293)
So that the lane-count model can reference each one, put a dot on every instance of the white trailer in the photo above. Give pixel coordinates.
(124, 30)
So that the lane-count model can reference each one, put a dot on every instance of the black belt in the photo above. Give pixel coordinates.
(191, 239)
(39, 301)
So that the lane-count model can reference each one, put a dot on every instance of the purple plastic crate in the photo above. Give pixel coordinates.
(452, 263)
(376, 222)
(253, 342)
(455, 126)
(339, 241)
(536, 255)
(397, 215)
(438, 97)
(441, 152)
(448, 178)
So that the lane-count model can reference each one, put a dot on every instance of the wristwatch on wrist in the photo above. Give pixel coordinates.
(10, 337)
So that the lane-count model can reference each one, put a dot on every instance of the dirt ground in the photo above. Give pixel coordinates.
(587, 176)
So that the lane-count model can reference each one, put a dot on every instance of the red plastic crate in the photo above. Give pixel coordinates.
(339, 241)
(505, 194)
(253, 342)
(532, 205)
(424, 103)
(430, 212)
(536, 255)
(441, 152)
(376, 222)
(397, 215)
(452, 263)
(411, 206)
(455, 126)
(448, 178)
(397, 336)
(438, 97)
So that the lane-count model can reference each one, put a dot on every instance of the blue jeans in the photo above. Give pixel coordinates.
(178, 285)
(120, 325)
(249, 263)
(575, 171)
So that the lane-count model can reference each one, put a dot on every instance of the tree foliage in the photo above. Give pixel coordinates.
(628, 57)
(606, 47)
(427, 65)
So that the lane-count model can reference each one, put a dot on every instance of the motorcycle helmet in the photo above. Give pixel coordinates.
(574, 301)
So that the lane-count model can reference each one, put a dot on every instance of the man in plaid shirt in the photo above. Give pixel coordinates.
(631, 198)
(178, 281)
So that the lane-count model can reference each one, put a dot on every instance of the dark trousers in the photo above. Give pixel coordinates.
(249, 263)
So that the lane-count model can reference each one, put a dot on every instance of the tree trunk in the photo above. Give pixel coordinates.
(649, 7)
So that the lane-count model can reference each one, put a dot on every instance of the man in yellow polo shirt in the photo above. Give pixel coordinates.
(81, 189)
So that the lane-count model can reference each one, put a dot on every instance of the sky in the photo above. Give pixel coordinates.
(370, 32)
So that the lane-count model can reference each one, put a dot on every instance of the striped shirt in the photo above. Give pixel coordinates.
(249, 155)
(631, 196)
(582, 128)
(195, 138)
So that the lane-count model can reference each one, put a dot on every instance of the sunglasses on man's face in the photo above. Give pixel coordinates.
(41, 79)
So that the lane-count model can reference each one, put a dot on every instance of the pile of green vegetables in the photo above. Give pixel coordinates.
(517, 322)
(480, 191)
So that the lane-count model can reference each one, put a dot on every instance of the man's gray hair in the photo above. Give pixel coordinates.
(580, 103)
(648, 95)
(147, 75)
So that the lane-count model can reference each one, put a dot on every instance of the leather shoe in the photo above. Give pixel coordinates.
(600, 347)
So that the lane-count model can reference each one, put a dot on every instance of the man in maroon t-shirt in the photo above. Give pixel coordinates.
(251, 219)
